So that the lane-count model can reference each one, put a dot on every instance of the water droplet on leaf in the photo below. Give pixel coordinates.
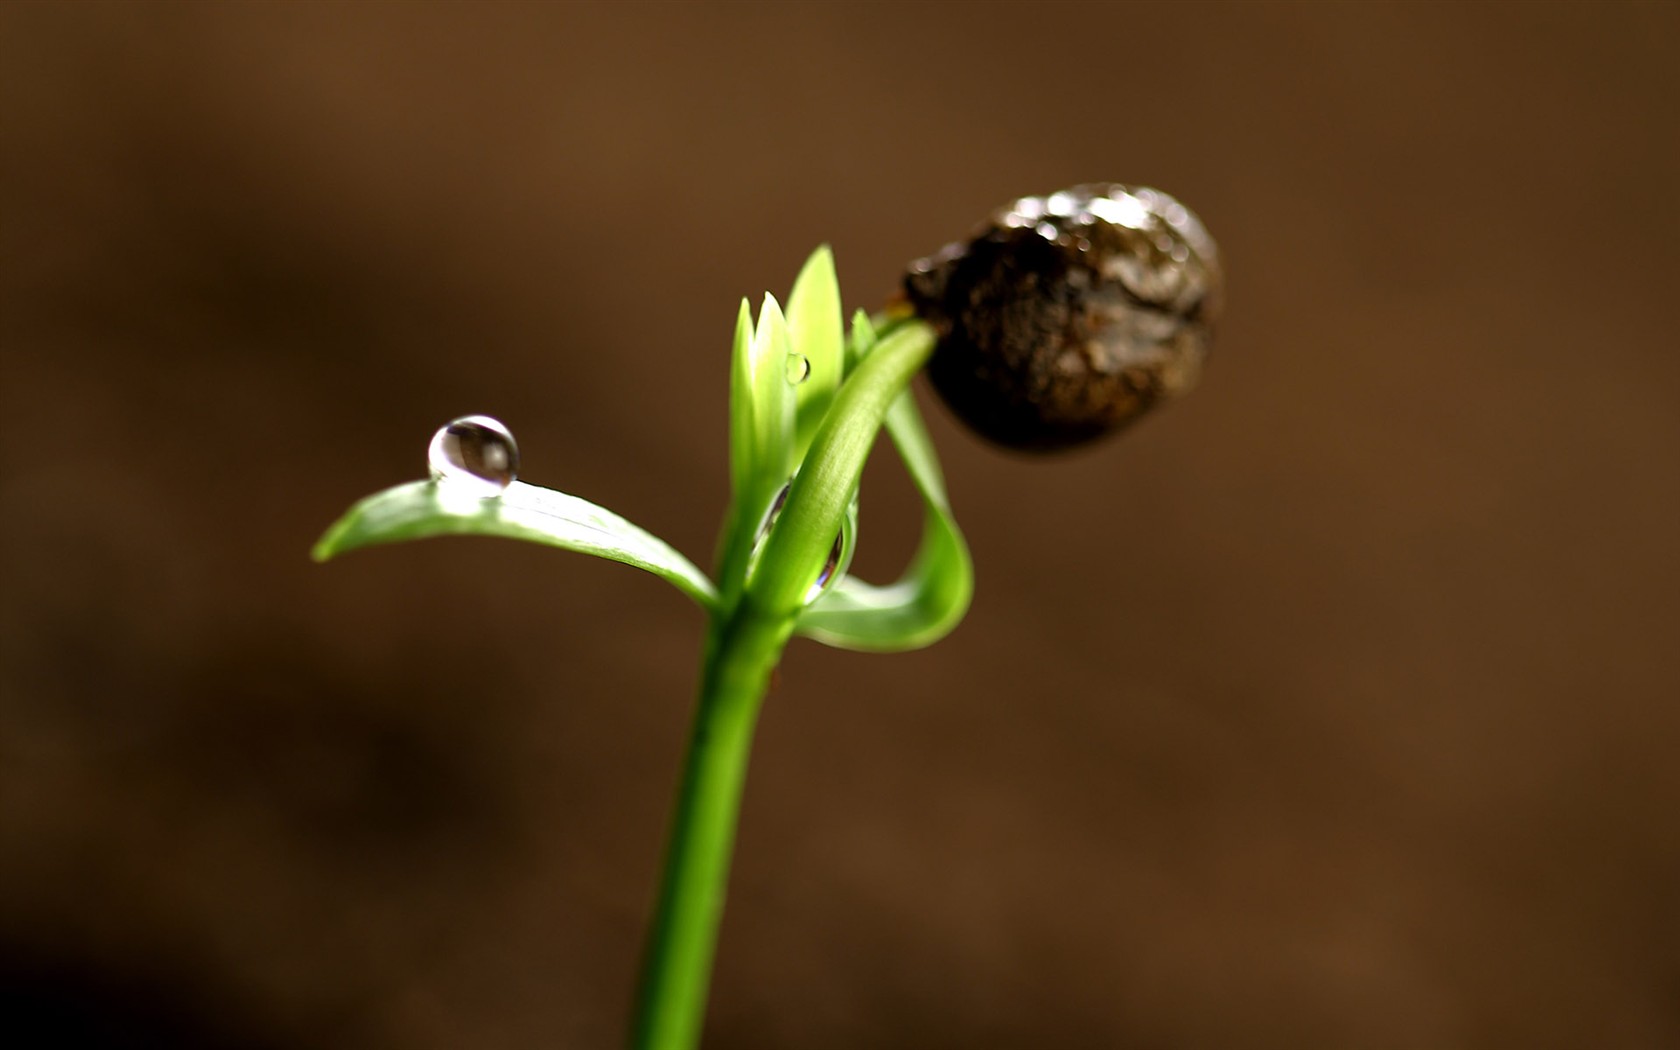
(776, 506)
(830, 570)
(474, 455)
(834, 566)
(798, 368)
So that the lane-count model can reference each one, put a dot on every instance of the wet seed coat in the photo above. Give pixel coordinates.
(1068, 317)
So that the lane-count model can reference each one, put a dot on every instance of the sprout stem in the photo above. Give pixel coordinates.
(741, 652)
(743, 646)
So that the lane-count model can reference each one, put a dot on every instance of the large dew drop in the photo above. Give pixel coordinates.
(474, 456)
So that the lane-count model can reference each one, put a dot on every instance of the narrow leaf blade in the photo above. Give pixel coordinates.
(816, 334)
(422, 509)
(862, 340)
(741, 428)
(772, 396)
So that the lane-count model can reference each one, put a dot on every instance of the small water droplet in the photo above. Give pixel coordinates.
(474, 455)
(830, 570)
(764, 525)
(776, 506)
(833, 565)
(798, 368)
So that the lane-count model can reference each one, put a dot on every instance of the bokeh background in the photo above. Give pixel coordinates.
(1335, 706)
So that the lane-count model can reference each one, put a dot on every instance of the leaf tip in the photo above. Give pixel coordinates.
(327, 547)
(821, 258)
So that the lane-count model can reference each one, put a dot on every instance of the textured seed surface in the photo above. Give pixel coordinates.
(1069, 316)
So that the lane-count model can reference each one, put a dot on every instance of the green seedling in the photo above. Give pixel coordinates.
(1064, 317)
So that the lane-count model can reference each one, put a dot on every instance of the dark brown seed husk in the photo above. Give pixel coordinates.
(1069, 316)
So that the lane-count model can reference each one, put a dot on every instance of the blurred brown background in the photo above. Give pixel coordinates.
(1334, 707)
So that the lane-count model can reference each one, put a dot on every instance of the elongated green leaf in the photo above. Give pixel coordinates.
(422, 509)
(740, 401)
(772, 396)
(862, 340)
(815, 334)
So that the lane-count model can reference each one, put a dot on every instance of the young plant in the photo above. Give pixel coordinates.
(1063, 318)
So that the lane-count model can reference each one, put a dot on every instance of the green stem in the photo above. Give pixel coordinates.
(741, 653)
(747, 636)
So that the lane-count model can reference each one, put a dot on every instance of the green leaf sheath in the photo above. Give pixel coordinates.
(423, 509)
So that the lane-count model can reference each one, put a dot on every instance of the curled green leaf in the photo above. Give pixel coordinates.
(422, 509)
(796, 549)
(932, 596)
